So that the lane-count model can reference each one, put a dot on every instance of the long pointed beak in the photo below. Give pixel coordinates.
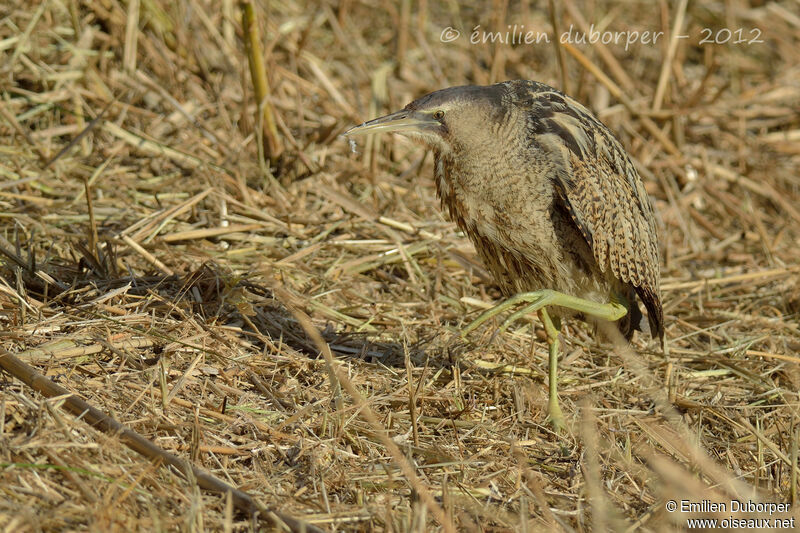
(398, 121)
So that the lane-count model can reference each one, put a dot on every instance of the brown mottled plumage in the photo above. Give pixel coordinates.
(544, 190)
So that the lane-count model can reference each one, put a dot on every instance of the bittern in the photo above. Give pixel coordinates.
(550, 199)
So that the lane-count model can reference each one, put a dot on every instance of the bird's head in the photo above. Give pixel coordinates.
(446, 120)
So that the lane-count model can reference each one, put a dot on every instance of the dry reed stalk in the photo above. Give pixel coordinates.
(258, 75)
(139, 444)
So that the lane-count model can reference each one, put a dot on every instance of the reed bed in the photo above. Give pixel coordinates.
(203, 259)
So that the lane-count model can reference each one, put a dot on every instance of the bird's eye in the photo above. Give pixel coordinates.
(438, 114)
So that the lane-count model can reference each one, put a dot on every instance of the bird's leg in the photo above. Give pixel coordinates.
(552, 330)
(537, 300)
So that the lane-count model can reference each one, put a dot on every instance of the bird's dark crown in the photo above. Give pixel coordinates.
(492, 95)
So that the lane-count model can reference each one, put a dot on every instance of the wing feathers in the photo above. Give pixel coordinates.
(603, 193)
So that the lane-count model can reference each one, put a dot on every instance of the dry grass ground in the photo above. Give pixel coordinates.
(151, 263)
